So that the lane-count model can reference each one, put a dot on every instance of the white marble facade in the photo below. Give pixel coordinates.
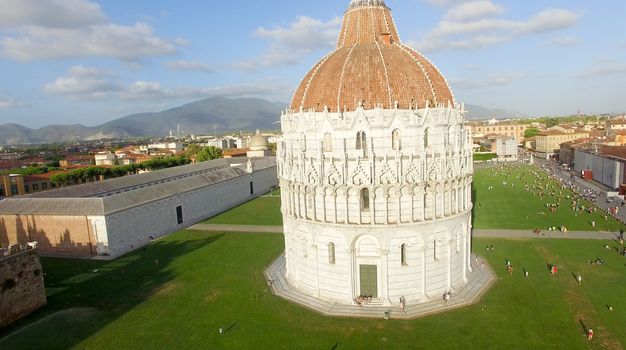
(376, 202)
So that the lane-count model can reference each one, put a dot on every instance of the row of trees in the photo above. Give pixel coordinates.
(31, 170)
(95, 173)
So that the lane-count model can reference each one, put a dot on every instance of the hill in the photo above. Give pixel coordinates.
(200, 117)
(479, 112)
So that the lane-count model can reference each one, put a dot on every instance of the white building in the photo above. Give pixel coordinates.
(375, 170)
(259, 147)
(118, 215)
(105, 158)
(172, 147)
(506, 148)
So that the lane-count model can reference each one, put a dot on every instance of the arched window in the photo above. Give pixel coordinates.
(365, 199)
(361, 141)
(328, 142)
(403, 255)
(331, 253)
(426, 131)
(395, 140)
(435, 250)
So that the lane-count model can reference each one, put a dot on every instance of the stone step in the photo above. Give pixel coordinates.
(480, 280)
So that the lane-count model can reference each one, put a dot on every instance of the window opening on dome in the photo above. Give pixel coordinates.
(365, 199)
(403, 255)
(395, 140)
(331, 253)
(361, 142)
(328, 142)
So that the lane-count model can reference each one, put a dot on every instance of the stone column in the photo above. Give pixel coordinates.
(373, 207)
(423, 283)
(317, 271)
(449, 282)
(384, 273)
(324, 218)
(386, 208)
(399, 208)
(334, 206)
(353, 268)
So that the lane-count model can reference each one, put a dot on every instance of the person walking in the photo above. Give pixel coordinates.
(579, 279)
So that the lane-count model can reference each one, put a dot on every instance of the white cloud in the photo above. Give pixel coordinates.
(11, 103)
(288, 45)
(549, 20)
(49, 13)
(86, 83)
(489, 81)
(473, 10)
(83, 83)
(446, 2)
(477, 24)
(128, 43)
(48, 29)
(565, 41)
(151, 91)
(189, 66)
(603, 68)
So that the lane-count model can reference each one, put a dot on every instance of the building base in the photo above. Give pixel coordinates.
(480, 280)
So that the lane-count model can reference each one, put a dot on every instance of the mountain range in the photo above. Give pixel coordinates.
(200, 117)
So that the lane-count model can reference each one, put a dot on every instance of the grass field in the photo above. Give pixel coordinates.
(181, 289)
(263, 211)
(511, 207)
(204, 281)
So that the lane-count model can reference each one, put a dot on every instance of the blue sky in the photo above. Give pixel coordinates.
(90, 61)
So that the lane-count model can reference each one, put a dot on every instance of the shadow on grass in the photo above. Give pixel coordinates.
(583, 326)
(108, 289)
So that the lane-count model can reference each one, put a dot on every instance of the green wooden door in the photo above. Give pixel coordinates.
(369, 282)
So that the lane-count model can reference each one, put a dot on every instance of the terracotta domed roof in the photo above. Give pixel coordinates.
(371, 67)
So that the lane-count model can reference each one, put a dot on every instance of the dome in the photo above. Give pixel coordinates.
(258, 142)
(371, 67)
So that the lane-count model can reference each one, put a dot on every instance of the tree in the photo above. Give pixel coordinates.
(531, 132)
(209, 153)
(552, 122)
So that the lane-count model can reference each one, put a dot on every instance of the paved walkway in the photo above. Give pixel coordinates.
(237, 228)
(480, 280)
(600, 235)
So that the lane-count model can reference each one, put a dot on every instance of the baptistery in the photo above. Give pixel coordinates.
(375, 171)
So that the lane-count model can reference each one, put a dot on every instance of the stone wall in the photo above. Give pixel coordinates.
(56, 235)
(120, 232)
(21, 286)
(437, 257)
(132, 228)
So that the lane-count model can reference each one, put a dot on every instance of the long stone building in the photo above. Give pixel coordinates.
(110, 218)
(375, 170)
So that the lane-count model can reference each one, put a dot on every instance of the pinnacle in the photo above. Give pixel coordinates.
(364, 3)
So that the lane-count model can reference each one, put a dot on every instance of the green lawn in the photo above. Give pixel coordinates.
(511, 207)
(264, 211)
(181, 289)
(484, 156)
(204, 281)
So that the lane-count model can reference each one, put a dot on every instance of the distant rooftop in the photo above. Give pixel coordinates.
(103, 197)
